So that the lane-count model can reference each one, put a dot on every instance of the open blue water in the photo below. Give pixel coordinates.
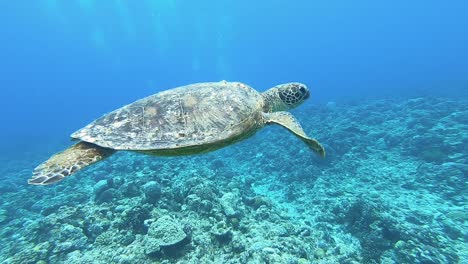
(389, 101)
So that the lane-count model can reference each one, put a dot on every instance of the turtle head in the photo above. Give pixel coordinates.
(285, 96)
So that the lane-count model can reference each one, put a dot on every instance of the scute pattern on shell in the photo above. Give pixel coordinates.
(190, 115)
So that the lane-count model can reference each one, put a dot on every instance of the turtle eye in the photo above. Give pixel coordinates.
(303, 90)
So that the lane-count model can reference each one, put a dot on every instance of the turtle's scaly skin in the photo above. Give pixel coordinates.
(189, 119)
(65, 163)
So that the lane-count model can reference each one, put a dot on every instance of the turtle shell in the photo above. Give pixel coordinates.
(187, 116)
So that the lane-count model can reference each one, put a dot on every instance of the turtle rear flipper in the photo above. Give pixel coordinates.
(68, 162)
(288, 121)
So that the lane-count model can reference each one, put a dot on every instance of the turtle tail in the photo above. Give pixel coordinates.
(68, 162)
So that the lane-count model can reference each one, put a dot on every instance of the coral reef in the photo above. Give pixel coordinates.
(392, 190)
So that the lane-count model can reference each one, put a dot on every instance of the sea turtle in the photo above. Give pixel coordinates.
(191, 119)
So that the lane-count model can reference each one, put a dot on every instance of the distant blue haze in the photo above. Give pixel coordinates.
(64, 63)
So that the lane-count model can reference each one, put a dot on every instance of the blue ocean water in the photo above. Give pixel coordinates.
(389, 101)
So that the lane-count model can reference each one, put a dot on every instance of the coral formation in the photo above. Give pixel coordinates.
(392, 190)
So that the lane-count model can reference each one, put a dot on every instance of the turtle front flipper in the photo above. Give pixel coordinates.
(68, 162)
(288, 121)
